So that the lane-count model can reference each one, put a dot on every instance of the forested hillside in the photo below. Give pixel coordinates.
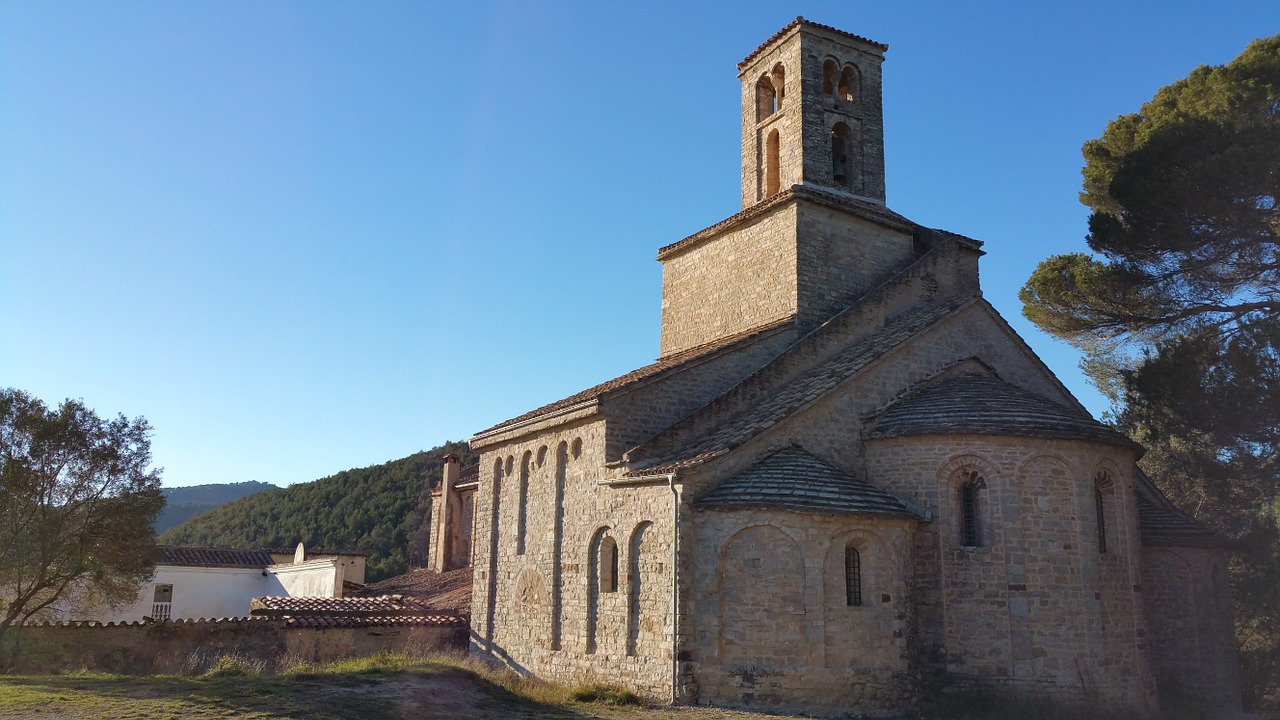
(185, 502)
(378, 510)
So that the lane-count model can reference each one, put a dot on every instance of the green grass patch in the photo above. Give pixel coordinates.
(604, 695)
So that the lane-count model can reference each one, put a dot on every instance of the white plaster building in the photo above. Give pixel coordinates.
(195, 583)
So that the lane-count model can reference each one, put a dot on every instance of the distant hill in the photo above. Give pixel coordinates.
(184, 502)
(382, 510)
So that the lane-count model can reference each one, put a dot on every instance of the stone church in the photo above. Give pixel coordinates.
(846, 482)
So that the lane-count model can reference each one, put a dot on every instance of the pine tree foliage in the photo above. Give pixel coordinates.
(1185, 197)
(381, 510)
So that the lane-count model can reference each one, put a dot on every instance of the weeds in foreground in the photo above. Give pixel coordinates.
(604, 694)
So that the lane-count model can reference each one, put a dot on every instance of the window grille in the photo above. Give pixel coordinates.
(969, 531)
(1102, 519)
(852, 576)
(162, 602)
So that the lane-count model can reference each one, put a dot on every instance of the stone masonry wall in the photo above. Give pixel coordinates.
(840, 258)
(193, 645)
(739, 280)
(635, 416)
(786, 122)
(771, 624)
(1037, 603)
(864, 116)
(1192, 652)
(542, 603)
(945, 272)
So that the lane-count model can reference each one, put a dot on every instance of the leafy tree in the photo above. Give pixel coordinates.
(1178, 312)
(79, 501)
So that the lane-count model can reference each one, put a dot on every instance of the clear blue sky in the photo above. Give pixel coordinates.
(301, 237)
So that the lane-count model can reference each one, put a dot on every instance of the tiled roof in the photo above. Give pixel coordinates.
(324, 621)
(979, 404)
(346, 606)
(313, 553)
(792, 397)
(306, 621)
(874, 212)
(446, 591)
(214, 557)
(469, 474)
(1161, 523)
(669, 363)
(796, 23)
(793, 479)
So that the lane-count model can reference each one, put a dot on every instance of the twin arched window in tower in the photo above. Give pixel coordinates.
(770, 91)
(841, 83)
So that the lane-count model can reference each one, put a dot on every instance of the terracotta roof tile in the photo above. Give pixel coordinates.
(797, 23)
(979, 404)
(790, 398)
(319, 621)
(322, 621)
(214, 557)
(347, 606)
(794, 479)
(313, 553)
(447, 591)
(670, 363)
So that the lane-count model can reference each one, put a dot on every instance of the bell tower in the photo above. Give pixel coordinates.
(812, 114)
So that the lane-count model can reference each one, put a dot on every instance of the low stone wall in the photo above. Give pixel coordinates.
(191, 646)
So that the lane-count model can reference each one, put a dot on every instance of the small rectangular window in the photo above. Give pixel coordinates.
(163, 594)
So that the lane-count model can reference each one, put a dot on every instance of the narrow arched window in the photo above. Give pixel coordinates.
(766, 98)
(522, 517)
(849, 81)
(829, 71)
(772, 173)
(779, 86)
(1102, 520)
(852, 576)
(971, 509)
(1103, 492)
(608, 565)
(840, 146)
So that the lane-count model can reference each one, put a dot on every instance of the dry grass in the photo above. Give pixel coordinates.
(399, 686)
(379, 686)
